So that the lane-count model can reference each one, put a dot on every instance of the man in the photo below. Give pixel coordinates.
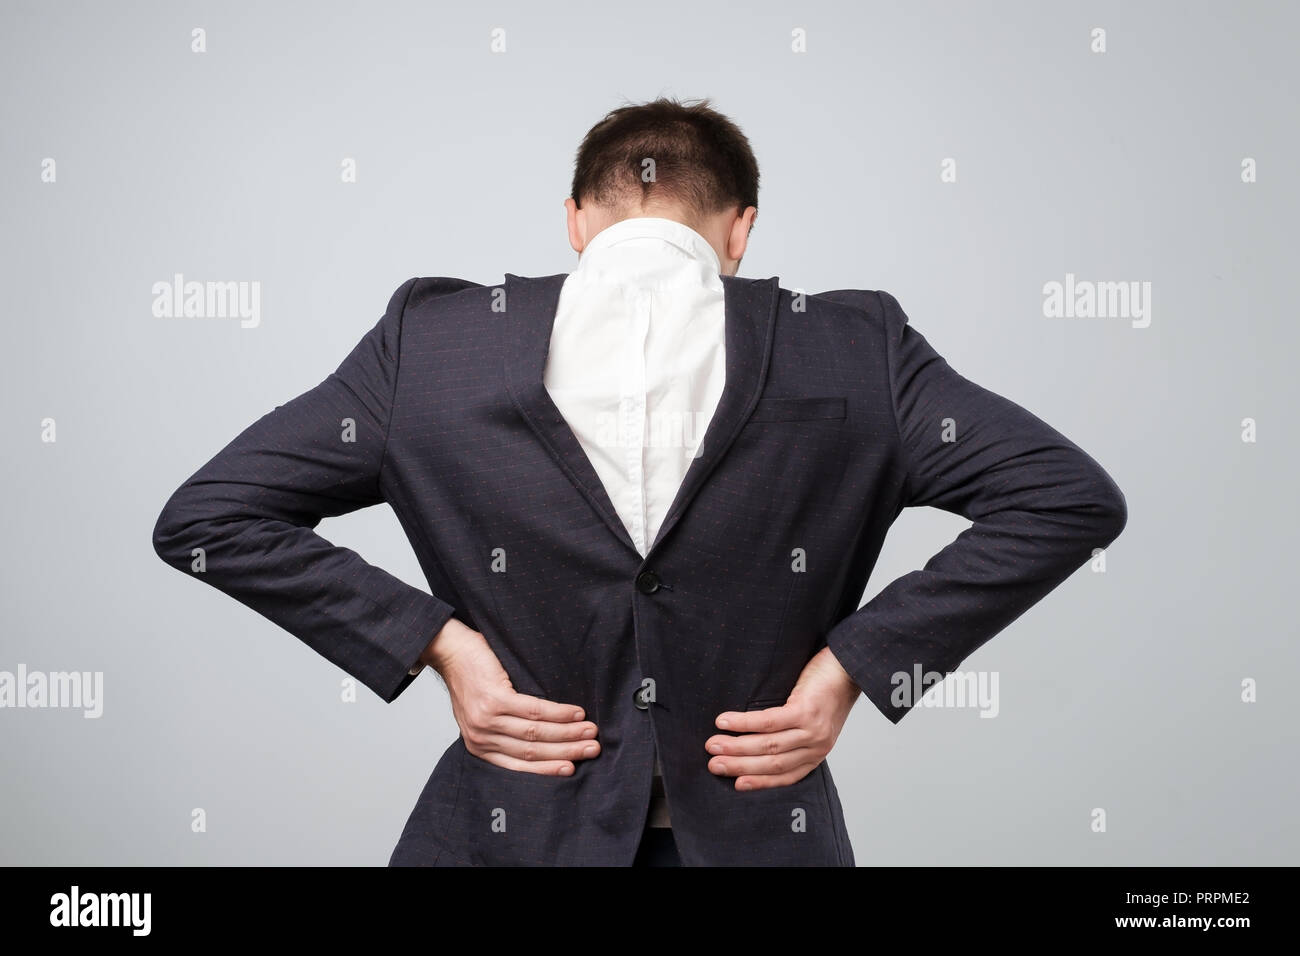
(647, 496)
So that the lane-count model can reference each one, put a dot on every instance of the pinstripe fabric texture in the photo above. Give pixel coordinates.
(831, 422)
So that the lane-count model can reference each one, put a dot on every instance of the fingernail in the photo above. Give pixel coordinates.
(577, 715)
(721, 767)
(589, 732)
(566, 770)
(724, 723)
(715, 748)
(589, 752)
(742, 784)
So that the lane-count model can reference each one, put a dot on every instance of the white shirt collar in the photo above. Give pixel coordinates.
(653, 227)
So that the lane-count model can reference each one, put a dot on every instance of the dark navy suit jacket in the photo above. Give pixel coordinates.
(836, 415)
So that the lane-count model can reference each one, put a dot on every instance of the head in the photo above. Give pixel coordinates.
(678, 160)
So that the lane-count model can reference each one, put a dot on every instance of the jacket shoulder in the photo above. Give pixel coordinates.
(877, 308)
(869, 303)
(411, 302)
(424, 289)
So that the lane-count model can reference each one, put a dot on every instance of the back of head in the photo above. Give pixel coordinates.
(666, 154)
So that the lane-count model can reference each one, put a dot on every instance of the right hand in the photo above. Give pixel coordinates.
(499, 725)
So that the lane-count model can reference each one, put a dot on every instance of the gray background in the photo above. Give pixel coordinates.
(1120, 691)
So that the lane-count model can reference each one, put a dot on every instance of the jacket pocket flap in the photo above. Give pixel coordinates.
(799, 409)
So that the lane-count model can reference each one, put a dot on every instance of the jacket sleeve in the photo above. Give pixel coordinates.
(244, 522)
(1038, 503)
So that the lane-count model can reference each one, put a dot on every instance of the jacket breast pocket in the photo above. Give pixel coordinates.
(830, 408)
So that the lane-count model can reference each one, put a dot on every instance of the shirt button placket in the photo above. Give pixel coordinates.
(634, 411)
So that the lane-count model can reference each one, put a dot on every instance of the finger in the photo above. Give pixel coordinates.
(769, 781)
(774, 765)
(535, 751)
(544, 730)
(754, 745)
(545, 768)
(765, 721)
(535, 708)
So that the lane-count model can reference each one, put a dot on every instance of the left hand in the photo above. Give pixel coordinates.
(784, 744)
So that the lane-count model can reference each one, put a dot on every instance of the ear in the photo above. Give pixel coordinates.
(576, 220)
(738, 236)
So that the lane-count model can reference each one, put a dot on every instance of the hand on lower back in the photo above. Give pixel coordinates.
(782, 745)
(499, 725)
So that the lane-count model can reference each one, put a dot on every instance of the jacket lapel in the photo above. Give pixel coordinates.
(750, 319)
(531, 304)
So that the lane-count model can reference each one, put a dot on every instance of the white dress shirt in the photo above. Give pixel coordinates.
(637, 361)
(636, 366)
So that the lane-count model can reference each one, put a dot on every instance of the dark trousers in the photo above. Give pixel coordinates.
(657, 848)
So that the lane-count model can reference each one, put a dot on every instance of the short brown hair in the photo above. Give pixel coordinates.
(702, 160)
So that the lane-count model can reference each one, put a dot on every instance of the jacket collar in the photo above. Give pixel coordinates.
(530, 307)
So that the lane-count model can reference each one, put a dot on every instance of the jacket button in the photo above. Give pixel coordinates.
(647, 582)
(640, 698)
